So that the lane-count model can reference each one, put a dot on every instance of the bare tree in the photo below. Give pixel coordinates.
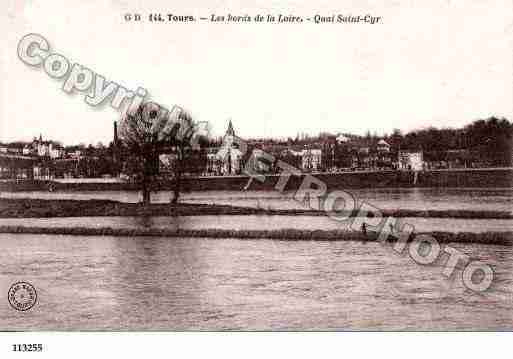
(149, 131)
(189, 139)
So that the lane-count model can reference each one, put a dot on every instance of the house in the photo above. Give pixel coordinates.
(76, 155)
(46, 148)
(411, 160)
(55, 151)
(342, 139)
(383, 146)
(14, 150)
(214, 163)
(364, 150)
(311, 159)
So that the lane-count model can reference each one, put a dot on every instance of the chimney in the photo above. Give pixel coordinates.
(115, 133)
(115, 149)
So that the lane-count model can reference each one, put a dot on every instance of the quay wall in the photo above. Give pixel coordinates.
(496, 178)
(457, 178)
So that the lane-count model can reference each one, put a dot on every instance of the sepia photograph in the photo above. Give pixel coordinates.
(256, 166)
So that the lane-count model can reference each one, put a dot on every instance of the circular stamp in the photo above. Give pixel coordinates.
(22, 296)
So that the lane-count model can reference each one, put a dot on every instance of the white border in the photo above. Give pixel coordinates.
(411, 345)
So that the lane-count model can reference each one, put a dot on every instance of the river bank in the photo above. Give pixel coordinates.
(491, 238)
(40, 208)
(450, 178)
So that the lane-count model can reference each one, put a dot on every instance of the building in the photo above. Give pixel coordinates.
(76, 154)
(411, 160)
(311, 159)
(341, 138)
(383, 146)
(222, 160)
(214, 163)
(47, 148)
(229, 154)
(56, 151)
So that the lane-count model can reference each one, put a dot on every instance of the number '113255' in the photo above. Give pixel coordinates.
(27, 347)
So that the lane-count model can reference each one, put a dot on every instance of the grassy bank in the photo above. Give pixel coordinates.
(493, 238)
(454, 178)
(39, 208)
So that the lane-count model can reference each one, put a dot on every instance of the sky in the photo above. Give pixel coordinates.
(427, 63)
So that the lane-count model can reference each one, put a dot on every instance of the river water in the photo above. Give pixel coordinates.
(259, 222)
(499, 199)
(87, 283)
(156, 283)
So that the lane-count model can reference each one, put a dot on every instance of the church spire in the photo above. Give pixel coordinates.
(230, 131)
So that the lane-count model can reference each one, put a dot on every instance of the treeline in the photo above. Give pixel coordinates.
(489, 133)
(490, 141)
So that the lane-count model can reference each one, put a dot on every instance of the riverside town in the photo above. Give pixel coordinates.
(482, 144)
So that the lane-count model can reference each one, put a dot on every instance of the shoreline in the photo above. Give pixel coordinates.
(489, 238)
(42, 208)
(501, 177)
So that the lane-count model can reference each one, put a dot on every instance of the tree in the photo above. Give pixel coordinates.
(149, 131)
(142, 136)
(492, 139)
(186, 146)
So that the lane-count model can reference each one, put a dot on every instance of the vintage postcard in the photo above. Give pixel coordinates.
(256, 166)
